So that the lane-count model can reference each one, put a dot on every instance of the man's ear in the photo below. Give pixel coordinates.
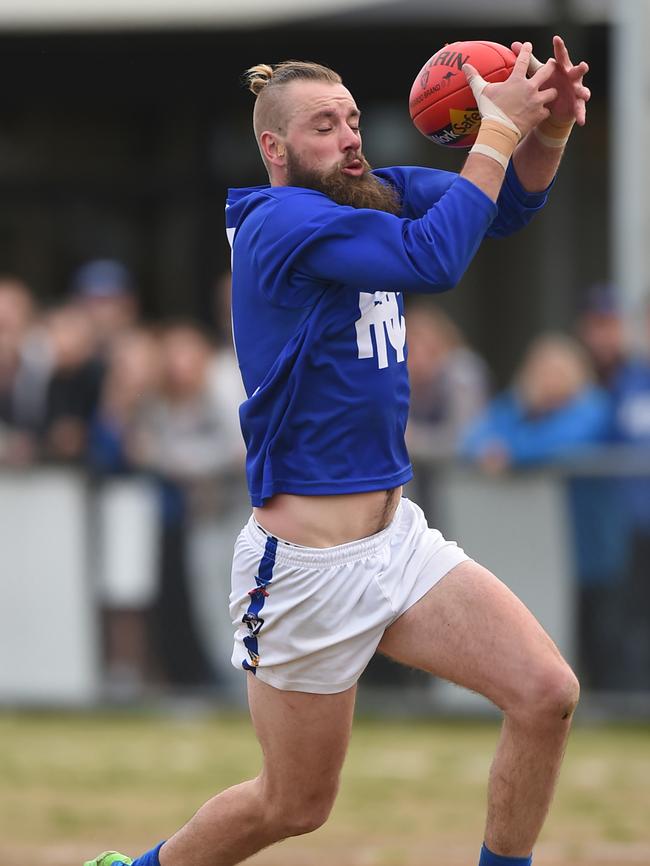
(273, 149)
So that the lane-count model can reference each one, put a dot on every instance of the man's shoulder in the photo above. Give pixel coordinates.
(262, 194)
(264, 205)
(410, 174)
(299, 202)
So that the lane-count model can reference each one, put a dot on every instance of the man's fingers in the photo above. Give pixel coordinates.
(548, 95)
(578, 71)
(534, 64)
(561, 53)
(543, 73)
(469, 70)
(474, 79)
(523, 60)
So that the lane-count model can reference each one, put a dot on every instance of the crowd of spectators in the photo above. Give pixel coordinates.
(574, 396)
(89, 384)
(617, 588)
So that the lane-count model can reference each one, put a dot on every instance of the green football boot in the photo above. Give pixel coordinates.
(108, 858)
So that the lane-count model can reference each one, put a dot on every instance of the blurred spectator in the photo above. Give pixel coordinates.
(552, 410)
(104, 291)
(601, 330)
(191, 430)
(23, 375)
(79, 336)
(188, 436)
(612, 516)
(74, 385)
(131, 382)
(222, 309)
(600, 538)
(16, 314)
(449, 382)
(225, 375)
(630, 389)
(128, 589)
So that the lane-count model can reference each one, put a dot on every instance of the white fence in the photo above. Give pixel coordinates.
(68, 548)
(48, 625)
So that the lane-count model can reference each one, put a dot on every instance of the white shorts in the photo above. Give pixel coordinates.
(310, 619)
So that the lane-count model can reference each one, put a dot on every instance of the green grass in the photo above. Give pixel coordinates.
(71, 785)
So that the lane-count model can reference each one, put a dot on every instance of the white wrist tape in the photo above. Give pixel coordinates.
(492, 152)
(487, 108)
(496, 140)
(553, 133)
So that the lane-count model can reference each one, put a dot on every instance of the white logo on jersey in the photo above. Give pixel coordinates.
(379, 310)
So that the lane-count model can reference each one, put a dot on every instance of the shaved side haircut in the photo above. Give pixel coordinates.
(268, 84)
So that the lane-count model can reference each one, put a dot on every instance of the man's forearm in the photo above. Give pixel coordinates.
(536, 164)
(484, 173)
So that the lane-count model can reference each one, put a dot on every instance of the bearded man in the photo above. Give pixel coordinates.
(334, 563)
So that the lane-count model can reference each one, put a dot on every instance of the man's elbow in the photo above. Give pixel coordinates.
(442, 278)
(451, 275)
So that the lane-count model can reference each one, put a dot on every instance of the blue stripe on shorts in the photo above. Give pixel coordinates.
(252, 619)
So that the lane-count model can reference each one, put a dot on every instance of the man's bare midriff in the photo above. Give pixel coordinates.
(326, 521)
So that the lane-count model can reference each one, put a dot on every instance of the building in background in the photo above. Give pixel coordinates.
(124, 127)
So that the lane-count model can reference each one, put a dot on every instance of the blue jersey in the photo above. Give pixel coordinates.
(318, 320)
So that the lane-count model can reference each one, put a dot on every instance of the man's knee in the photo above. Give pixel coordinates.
(549, 692)
(297, 815)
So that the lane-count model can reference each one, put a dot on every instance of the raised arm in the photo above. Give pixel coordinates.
(509, 110)
(537, 157)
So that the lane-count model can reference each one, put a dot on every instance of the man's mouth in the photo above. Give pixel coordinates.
(355, 168)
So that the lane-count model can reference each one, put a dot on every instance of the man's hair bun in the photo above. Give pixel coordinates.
(261, 76)
(257, 77)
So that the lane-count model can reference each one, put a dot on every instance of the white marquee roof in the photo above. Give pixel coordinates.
(136, 14)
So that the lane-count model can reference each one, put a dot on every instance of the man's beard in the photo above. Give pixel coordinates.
(365, 191)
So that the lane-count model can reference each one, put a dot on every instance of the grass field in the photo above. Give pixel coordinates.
(412, 793)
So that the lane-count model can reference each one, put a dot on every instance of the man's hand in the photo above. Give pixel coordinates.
(566, 79)
(524, 101)
(509, 110)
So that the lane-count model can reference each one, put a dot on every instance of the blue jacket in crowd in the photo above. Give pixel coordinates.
(534, 439)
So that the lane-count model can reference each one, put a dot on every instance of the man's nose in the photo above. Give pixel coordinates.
(351, 140)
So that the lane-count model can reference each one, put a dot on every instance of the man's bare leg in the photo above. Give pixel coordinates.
(470, 629)
(304, 739)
